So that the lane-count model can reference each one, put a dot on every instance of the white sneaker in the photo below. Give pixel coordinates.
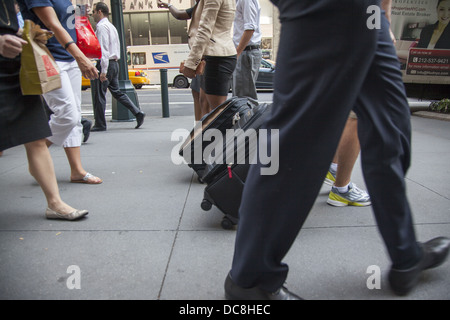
(353, 197)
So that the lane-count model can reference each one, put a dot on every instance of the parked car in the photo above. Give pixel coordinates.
(137, 77)
(266, 74)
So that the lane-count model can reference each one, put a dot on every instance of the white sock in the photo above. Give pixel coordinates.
(333, 166)
(343, 189)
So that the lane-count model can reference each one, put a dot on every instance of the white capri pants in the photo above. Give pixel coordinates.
(65, 103)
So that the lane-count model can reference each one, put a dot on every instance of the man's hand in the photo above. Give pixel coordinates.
(11, 45)
(386, 5)
(392, 36)
(103, 77)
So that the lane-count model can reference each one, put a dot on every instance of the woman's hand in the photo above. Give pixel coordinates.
(42, 36)
(88, 70)
(188, 72)
(162, 4)
(48, 16)
(11, 45)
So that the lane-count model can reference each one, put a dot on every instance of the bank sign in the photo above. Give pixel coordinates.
(140, 5)
(151, 5)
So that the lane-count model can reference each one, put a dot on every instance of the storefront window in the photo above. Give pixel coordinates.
(178, 30)
(127, 29)
(153, 28)
(140, 29)
(159, 26)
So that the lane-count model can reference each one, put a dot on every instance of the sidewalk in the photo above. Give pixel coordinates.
(146, 236)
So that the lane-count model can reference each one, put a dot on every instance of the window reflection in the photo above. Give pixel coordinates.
(178, 30)
(140, 29)
(159, 25)
(153, 28)
(127, 29)
(139, 58)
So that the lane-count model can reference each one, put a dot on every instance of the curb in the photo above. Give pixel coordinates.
(432, 115)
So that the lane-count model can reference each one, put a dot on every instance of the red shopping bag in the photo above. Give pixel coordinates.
(86, 39)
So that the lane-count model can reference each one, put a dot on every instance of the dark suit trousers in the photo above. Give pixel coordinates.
(99, 89)
(328, 63)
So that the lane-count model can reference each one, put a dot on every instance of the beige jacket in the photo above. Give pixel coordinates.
(210, 31)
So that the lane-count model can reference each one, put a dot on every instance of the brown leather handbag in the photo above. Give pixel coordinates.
(200, 68)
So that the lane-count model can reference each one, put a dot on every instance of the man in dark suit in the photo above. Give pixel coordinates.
(330, 60)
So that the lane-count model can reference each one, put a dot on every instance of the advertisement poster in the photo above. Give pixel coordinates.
(422, 30)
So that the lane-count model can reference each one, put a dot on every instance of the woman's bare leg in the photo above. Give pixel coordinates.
(41, 168)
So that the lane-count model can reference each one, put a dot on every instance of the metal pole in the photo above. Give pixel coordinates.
(164, 93)
(117, 21)
(119, 111)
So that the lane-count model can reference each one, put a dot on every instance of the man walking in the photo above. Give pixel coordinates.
(108, 67)
(247, 39)
(329, 62)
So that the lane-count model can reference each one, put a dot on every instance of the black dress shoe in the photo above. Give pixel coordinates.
(434, 254)
(96, 129)
(235, 292)
(86, 128)
(139, 119)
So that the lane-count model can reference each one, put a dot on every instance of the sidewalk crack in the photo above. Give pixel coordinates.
(175, 240)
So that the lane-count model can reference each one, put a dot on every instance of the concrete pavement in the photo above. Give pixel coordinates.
(146, 236)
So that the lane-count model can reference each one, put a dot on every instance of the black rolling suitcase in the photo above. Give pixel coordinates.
(221, 118)
(225, 193)
(225, 181)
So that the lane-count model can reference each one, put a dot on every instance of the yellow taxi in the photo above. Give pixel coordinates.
(137, 77)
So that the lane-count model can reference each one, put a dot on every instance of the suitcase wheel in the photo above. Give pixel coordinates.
(200, 175)
(226, 223)
(206, 205)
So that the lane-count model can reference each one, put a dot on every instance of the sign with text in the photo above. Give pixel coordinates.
(151, 5)
(422, 34)
(139, 5)
(428, 62)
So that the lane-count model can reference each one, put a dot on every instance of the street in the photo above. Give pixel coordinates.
(180, 101)
(147, 236)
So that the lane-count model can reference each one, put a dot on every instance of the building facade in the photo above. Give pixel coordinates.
(146, 24)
